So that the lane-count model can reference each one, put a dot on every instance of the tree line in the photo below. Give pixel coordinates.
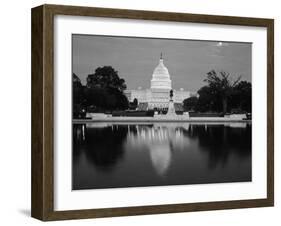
(104, 92)
(221, 94)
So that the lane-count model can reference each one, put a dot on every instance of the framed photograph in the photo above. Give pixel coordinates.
(141, 112)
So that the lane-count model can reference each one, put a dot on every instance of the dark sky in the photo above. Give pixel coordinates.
(188, 61)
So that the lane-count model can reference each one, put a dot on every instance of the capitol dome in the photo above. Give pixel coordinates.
(161, 77)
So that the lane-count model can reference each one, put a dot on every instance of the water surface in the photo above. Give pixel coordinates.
(108, 155)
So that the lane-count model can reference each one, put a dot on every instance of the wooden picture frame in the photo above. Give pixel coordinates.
(42, 203)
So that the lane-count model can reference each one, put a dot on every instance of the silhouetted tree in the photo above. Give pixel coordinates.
(77, 89)
(133, 105)
(135, 102)
(208, 100)
(78, 97)
(190, 104)
(106, 77)
(105, 90)
(222, 86)
(241, 97)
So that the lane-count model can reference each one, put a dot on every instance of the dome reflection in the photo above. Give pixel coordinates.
(161, 140)
(160, 155)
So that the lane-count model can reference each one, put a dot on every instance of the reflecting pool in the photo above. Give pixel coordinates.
(108, 155)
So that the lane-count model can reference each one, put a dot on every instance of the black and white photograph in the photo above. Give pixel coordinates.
(160, 112)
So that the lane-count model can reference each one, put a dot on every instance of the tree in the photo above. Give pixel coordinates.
(105, 90)
(241, 97)
(190, 104)
(77, 89)
(106, 78)
(133, 105)
(78, 98)
(222, 86)
(121, 101)
(208, 100)
(135, 102)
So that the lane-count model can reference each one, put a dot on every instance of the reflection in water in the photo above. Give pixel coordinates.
(103, 146)
(160, 155)
(159, 140)
(114, 155)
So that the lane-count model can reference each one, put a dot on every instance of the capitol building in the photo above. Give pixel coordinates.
(158, 96)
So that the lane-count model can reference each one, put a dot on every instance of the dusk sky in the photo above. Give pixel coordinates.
(188, 61)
